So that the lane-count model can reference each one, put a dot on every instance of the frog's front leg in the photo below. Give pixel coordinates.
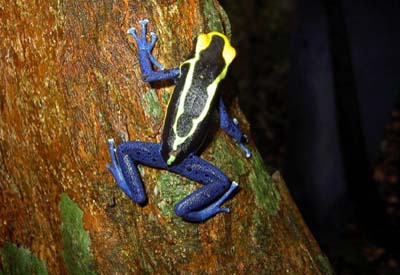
(231, 127)
(206, 201)
(146, 59)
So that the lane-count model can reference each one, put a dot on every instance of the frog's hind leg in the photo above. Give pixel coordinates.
(206, 201)
(124, 161)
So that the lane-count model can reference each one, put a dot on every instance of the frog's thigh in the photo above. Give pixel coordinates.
(145, 153)
(216, 184)
(129, 154)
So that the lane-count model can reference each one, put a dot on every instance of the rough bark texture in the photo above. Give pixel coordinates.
(69, 81)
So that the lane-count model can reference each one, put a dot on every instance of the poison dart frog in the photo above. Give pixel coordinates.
(186, 122)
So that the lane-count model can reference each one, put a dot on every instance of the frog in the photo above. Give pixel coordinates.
(185, 128)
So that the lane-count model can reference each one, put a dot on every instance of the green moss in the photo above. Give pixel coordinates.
(232, 163)
(165, 96)
(170, 189)
(75, 240)
(266, 194)
(239, 166)
(18, 260)
(212, 17)
(152, 106)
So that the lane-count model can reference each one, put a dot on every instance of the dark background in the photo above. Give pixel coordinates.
(319, 81)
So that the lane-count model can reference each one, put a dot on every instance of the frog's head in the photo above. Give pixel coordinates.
(216, 43)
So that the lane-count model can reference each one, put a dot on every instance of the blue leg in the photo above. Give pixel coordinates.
(231, 127)
(206, 201)
(198, 206)
(146, 59)
(124, 170)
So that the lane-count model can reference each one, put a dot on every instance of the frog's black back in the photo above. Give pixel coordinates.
(187, 118)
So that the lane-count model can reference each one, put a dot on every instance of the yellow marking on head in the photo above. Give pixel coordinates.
(204, 40)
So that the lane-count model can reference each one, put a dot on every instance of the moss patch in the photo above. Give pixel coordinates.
(18, 260)
(212, 17)
(165, 96)
(170, 189)
(75, 240)
(231, 163)
(266, 193)
(216, 18)
(152, 106)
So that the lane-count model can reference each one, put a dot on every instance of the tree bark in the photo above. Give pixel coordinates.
(70, 80)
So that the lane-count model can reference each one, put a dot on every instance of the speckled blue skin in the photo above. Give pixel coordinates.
(206, 201)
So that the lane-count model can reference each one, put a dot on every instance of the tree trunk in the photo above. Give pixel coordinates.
(70, 80)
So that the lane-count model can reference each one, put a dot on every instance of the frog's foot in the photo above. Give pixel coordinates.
(133, 190)
(143, 44)
(215, 207)
(147, 60)
(242, 140)
(210, 211)
(231, 127)
(114, 168)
